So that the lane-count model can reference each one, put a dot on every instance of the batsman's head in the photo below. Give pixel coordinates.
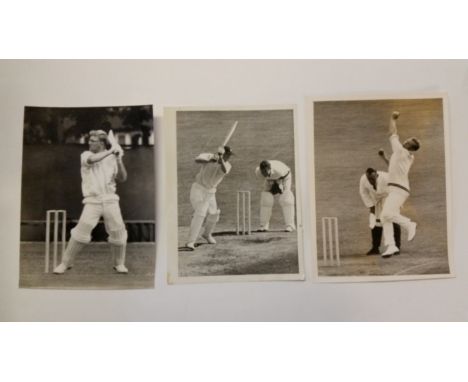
(265, 168)
(227, 153)
(412, 144)
(97, 140)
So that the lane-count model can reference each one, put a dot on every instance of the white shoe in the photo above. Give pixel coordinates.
(264, 229)
(391, 250)
(120, 268)
(210, 239)
(60, 269)
(190, 246)
(412, 230)
(290, 228)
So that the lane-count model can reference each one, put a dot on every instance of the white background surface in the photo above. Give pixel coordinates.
(223, 83)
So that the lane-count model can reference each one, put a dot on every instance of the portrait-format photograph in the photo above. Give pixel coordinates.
(381, 188)
(238, 214)
(87, 198)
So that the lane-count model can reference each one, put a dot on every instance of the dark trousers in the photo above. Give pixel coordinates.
(377, 236)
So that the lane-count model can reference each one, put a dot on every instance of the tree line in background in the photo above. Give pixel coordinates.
(44, 125)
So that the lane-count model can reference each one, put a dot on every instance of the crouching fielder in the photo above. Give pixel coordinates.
(100, 169)
(214, 167)
(278, 180)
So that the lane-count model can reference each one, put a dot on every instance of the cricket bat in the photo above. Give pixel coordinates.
(231, 132)
(114, 143)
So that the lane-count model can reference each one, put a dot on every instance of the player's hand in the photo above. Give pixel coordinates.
(114, 149)
(221, 150)
(117, 150)
(395, 114)
(108, 143)
(276, 188)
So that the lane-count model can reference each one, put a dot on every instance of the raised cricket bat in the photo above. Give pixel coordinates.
(114, 142)
(228, 137)
(111, 138)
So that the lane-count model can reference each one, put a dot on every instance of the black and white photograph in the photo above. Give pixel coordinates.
(87, 198)
(238, 214)
(382, 188)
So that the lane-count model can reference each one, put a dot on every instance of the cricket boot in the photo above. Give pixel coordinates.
(73, 248)
(194, 232)
(210, 225)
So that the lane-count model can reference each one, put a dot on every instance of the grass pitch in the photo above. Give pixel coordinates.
(272, 252)
(348, 136)
(260, 135)
(92, 268)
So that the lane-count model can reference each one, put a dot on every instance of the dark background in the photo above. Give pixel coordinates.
(54, 139)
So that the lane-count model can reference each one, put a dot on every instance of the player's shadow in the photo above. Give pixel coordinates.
(234, 233)
(262, 238)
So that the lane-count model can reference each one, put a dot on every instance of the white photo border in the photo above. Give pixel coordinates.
(170, 130)
(309, 123)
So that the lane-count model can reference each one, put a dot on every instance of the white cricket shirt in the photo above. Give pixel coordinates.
(278, 170)
(98, 179)
(211, 173)
(400, 163)
(370, 196)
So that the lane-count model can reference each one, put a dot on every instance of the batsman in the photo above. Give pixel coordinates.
(214, 167)
(278, 180)
(101, 167)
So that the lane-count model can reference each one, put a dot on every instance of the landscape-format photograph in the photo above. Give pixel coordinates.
(381, 189)
(87, 198)
(238, 209)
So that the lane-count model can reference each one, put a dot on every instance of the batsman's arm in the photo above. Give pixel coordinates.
(93, 158)
(121, 170)
(222, 163)
(206, 158)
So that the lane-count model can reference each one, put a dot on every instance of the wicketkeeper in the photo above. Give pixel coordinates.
(278, 180)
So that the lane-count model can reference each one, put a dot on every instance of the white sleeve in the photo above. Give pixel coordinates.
(258, 172)
(84, 158)
(228, 167)
(395, 142)
(206, 157)
(364, 192)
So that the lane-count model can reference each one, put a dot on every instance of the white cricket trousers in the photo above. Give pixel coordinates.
(391, 213)
(113, 222)
(203, 201)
